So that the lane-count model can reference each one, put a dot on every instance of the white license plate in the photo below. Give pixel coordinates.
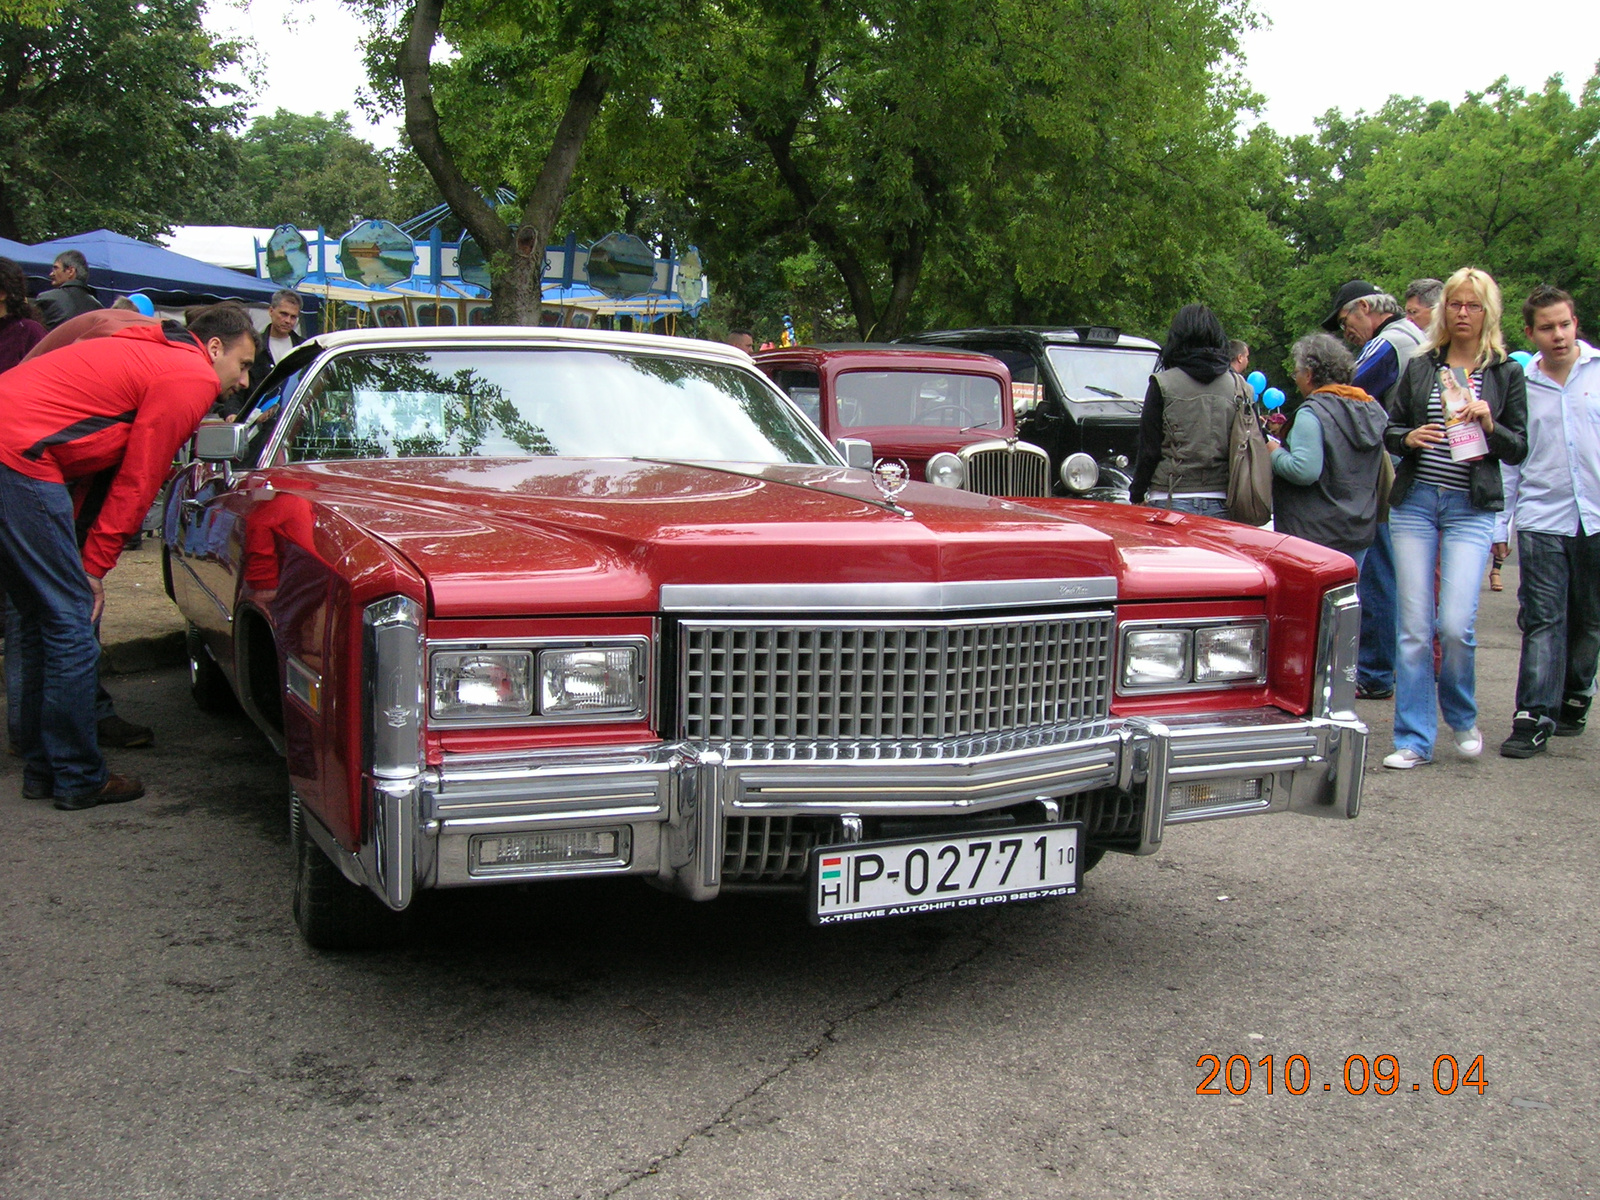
(891, 879)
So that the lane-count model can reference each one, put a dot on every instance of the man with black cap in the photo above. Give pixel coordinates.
(1375, 323)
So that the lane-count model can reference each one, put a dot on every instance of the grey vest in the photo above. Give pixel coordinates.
(1339, 510)
(1196, 420)
(1406, 339)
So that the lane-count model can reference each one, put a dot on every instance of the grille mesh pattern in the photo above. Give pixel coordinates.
(756, 682)
(770, 849)
(1012, 471)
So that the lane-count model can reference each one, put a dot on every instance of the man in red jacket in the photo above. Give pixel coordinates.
(125, 404)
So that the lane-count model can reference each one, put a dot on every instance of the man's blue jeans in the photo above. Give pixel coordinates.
(1440, 526)
(1558, 611)
(104, 706)
(1375, 663)
(55, 647)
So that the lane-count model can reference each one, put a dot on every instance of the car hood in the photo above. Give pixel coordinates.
(519, 537)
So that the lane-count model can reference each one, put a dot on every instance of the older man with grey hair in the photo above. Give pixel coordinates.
(1421, 298)
(1374, 321)
(70, 295)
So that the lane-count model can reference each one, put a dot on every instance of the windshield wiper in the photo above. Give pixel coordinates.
(1114, 395)
(979, 425)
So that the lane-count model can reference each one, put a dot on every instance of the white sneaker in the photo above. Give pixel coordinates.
(1404, 760)
(1469, 742)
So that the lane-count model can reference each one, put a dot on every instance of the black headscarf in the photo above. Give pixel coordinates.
(1196, 344)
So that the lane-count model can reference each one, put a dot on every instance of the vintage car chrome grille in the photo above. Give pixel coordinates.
(758, 681)
(771, 849)
(999, 469)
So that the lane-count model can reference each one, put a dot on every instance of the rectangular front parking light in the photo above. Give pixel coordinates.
(514, 852)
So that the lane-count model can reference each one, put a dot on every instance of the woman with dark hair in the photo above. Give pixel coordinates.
(1325, 479)
(20, 329)
(1188, 415)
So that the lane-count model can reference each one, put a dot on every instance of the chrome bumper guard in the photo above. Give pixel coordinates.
(670, 803)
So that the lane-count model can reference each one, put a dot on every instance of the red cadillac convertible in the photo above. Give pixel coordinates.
(522, 604)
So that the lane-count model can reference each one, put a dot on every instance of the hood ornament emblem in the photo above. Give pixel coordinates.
(890, 476)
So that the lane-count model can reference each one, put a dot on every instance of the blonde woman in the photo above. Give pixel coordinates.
(1461, 408)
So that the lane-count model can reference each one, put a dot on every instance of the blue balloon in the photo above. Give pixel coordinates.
(1257, 382)
(142, 303)
(1273, 398)
(1523, 358)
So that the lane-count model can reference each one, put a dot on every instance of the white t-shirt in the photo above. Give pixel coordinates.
(279, 348)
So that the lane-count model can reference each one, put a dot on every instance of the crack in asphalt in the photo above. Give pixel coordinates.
(809, 1053)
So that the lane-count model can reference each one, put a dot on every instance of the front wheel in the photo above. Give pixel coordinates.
(332, 912)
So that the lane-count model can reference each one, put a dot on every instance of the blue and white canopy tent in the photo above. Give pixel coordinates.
(380, 273)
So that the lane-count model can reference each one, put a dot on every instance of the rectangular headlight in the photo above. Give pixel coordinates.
(1224, 653)
(1155, 657)
(482, 683)
(592, 681)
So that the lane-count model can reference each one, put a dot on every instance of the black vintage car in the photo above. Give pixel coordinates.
(1078, 393)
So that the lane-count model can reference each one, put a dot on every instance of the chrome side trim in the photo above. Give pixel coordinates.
(1338, 645)
(957, 595)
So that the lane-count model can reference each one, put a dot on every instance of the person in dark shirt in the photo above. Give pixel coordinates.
(20, 329)
(70, 295)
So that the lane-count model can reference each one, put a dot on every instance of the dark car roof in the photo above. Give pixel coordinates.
(1066, 335)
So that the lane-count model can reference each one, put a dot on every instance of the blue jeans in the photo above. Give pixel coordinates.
(1440, 526)
(1201, 506)
(1558, 611)
(1375, 663)
(103, 705)
(55, 646)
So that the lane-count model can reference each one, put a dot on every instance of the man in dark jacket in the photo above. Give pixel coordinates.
(122, 404)
(1375, 324)
(70, 295)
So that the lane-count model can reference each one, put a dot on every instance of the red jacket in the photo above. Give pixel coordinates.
(125, 402)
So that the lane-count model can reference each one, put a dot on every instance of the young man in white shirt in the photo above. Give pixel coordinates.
(1554, 499)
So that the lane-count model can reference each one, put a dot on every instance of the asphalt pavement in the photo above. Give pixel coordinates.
(164, 1032)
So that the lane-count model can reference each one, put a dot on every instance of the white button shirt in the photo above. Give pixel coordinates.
(1556, 489)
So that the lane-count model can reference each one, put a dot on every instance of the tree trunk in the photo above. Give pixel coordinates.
(516, 259)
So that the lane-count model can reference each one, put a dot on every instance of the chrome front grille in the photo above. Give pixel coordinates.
(1007, 469)
(890, 681)
(770, 849)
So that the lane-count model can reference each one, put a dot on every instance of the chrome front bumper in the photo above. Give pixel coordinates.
(674, 800)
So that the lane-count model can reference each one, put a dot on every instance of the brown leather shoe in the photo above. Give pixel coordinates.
(117, 789)
(118, 734)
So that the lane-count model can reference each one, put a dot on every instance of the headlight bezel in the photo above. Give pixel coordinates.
(1190, 629)
(534, 648)
(945, 470)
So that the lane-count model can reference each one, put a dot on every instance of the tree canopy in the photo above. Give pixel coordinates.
(111, 114)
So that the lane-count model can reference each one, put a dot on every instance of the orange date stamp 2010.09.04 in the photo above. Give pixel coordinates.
(1382, 1076)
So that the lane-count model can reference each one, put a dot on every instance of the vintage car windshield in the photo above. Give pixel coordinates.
(1101, 373)
(931, 398)
(515, 402)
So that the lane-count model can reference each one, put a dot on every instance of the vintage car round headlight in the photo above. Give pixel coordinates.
(946, 470)
(1080, 472)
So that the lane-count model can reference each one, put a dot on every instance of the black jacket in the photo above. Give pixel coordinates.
(1504, 389)
(65, 302)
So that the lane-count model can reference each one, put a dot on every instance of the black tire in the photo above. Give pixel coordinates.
(335, 914)
(207, 684)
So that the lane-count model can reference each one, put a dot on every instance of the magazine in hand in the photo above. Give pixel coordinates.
(1465, 435)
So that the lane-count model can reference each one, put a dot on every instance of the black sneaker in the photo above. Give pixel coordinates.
(123, 735)
(1365, 691)
(1529, 734)
(1573, 716)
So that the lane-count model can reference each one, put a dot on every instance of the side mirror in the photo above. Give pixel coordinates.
(221, 441)
(857, 452)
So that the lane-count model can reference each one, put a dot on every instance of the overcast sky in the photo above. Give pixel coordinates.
(1311, 57)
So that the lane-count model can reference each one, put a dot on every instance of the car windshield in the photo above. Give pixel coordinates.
(1101, 373)
(515, 402)
(931, 398)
